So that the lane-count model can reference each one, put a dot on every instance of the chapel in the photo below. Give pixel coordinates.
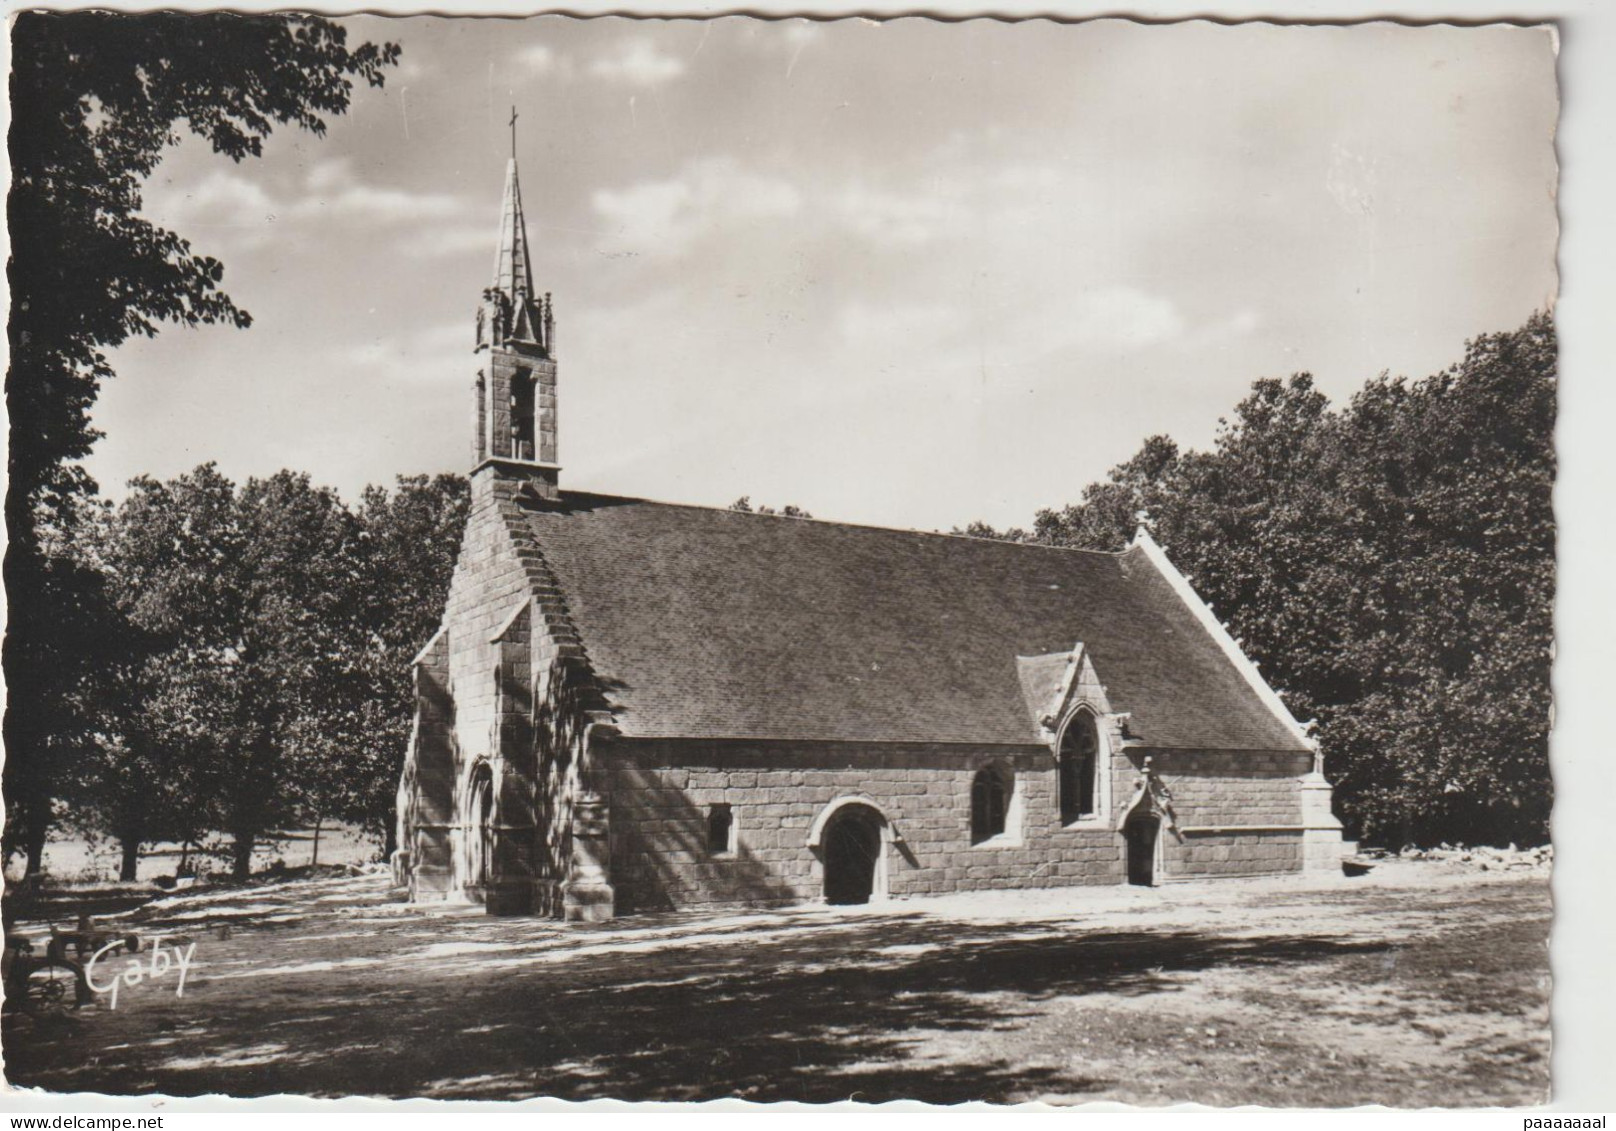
(635, 706)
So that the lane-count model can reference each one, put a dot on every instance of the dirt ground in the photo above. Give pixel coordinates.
(1417, 985)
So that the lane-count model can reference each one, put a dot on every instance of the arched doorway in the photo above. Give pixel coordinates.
(854, 846)
(1143, 834)
(479, 832)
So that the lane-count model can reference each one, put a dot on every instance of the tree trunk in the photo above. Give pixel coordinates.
(242, 852)
(36, 853)
(131, 858)
(34, 838)
(185, 857)
(389, 840)
(314, 856)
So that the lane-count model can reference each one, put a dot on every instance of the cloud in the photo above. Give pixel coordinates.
(898, 327)
(413, 69)
(668, 216)
(1112, 318)
(957, 190)
(332, 173)
(637, 62)
(927, 335)
(333, 189)
(438, 240)
(229, 207)
(223, 200)
(898, 218)
(430, 355)
(1224, 331)
(798, 33)
(788, 37)
(1352, 180)
(545, 62)
(1105, 319)
(538, 59)
(380, 206)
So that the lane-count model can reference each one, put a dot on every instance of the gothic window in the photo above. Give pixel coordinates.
(990, 803)
(1079, 768)
(522, 392)
(720, 829)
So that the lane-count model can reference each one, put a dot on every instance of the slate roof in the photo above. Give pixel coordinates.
(706, 623)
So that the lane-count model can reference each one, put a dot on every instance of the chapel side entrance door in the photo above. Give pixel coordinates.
(1142, 832)
(852, 853)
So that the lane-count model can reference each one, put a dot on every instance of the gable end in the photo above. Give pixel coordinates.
(1153, 553)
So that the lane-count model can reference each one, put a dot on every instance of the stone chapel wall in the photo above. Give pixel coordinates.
(659, 807)
(1239, 812)
(659, 813)
(489, 586)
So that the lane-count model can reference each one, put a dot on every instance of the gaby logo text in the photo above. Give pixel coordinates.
(137, 970)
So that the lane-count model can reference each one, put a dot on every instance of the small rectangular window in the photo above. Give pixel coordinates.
(720, 829)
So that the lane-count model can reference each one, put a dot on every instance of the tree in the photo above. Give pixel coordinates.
(407, 545)
(264, 674)
(59, 631)
(169, 553)
(291, 664)
(1449, 488)
(744, 505)
(238, 709)
(980, 529)
(1390, 566)
(96, 98)
(1111, 511)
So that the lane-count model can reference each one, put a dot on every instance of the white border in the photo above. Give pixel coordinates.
(1585, 771)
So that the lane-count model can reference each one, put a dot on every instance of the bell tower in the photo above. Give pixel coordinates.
(514, 397)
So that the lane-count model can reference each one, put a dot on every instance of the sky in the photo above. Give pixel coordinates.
(906, 273)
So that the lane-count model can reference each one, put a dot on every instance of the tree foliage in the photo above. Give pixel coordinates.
(1390, 565)
(96, 98)
(408, 542)
(269, 631)
(58, 622)
(790, 510)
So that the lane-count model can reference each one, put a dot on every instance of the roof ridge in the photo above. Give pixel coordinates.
(851, 525)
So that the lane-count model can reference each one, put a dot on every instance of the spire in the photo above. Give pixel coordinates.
(513, 270)
(511, 310)
(514, 395)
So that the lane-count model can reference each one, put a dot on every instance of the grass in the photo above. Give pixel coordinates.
(76, 860)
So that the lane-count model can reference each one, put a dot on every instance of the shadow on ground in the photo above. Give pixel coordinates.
(806, 1006)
